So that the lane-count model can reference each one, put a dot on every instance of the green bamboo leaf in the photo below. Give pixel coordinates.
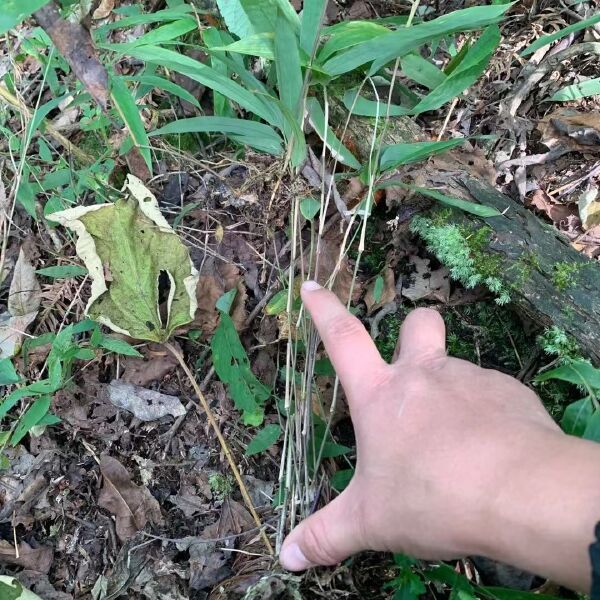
(257, 135)
(233, 368)
(62, 271)
(164, 84)
(174, 13)
(14, 11)
(399, 43)
(212, 38)
(371, 108)
(585, 89)
(160, 35)
(310, 25)
(561, 33)
(420, 70)
(129, 112)
(8, 374)
(402, 154)
(348, 34)
(235, 18)
(338, 150)
(468, 72)
(31, 418)
(258, 44)
(212, 79)
(264, 439)
(471, 207)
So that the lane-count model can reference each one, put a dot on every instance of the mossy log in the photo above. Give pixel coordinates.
(545, 277)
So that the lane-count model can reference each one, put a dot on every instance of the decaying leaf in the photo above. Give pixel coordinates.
(589, 208)
(104, 9)
(376, 298)
(571, 129)
(558, 213)
(36, 559)
(132, 505)
(143, 281)
(23, 303)
(155, 366)
(427, 284)
(146, 405)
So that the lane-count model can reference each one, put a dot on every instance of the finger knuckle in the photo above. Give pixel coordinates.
(343, 327)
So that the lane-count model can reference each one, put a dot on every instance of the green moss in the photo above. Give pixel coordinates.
(564, 275)
(221, 486)
(185, 142)
(374, 257)
(464, 250)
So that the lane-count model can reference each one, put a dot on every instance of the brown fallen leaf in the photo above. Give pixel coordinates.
(426, 284)
(132, 505)
(36, 559)
(387, 292)
(104, 9)
(330, 263)
(589, 208)
(558, 213)
(145, 404)
(572, 129)
(155, 366)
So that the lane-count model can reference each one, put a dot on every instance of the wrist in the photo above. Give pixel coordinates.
(544, 515)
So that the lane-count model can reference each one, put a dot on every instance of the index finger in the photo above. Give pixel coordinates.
(350, 348)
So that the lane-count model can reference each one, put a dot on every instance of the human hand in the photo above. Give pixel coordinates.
(444, 449)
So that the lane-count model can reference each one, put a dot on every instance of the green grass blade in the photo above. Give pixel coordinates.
(585, 89)
(287, 64)
(553, 37)
(168, 14)
(31, 418)
(470, 207)
(214, 37)
(316, 117)
(161, 83)
(398, 43)
(403, 154)
(466, 74)
(129, 112)
(310, 25)
(370, 108)
(257, 135)
(258, 44)
(235, 18)
(207, 76)
(161, 35)
(420, 70)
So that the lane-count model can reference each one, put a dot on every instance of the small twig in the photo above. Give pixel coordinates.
(223, 442)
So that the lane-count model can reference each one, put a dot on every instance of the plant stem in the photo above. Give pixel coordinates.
(223, 442)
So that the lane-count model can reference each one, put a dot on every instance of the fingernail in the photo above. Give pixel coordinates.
(310, 286)
(293, 559)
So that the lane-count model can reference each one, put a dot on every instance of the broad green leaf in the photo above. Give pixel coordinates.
(264, 439)
(371, 108)
(395, 44)
(233, 368)
(324, 368)
(378, 288)
(62, 271)
(561, 33)
(14, 11)
(347, 34)
(592, 429)
(11, 400)
(332, 450)
(235, 18)
(309, 208)
(341, 479)
(257, 135)
(316, 117)
(576, 417)
(419, 69)
(402, 154)
(207, 76)
(259, 44)
(472, 66)
(591, 87)
(26, 195)
(129, 112)
(277, 304)
(164, 84)
(287, 63)
(147, 262)
(11, 589)
(310, 24)
(8, 374)
(118, 346)
(471, 207)
(31, 418)
(578, 372)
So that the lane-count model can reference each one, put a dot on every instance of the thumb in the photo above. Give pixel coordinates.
(325, 538)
